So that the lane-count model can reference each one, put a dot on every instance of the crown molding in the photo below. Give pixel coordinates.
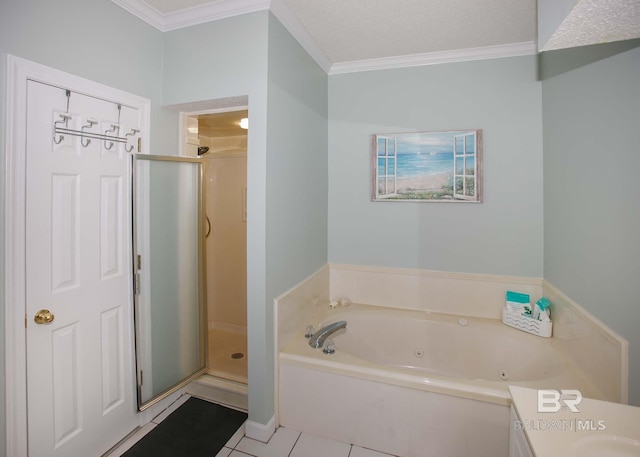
(438, 57)
(299, 32)
(222, 9)
(191, 16)
(143, 11)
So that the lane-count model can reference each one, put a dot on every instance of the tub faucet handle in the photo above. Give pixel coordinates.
(329, 347)
(308, 333)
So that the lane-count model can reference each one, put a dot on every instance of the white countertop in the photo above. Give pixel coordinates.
(599, 428)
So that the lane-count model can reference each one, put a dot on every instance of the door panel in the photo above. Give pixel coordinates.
(80, 379)
(113, 389)
(67, 401)
(111, 262)
(64, 238)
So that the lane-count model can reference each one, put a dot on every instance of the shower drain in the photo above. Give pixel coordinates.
(237, 355)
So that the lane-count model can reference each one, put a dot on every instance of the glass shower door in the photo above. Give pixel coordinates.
(169, 266)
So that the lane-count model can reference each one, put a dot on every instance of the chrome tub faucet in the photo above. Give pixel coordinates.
(317, 339)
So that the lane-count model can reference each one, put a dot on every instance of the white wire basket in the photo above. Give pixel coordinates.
(526, 324)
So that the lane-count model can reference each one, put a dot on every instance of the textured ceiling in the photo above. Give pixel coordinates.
(354, 30)
(597, 21)
(368, 29)
(357, 35)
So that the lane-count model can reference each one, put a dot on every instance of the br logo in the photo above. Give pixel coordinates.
(551, 400)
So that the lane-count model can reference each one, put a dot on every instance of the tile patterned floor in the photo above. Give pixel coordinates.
(285, 442)
(291, 443)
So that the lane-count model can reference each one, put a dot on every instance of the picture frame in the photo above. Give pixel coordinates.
(439, 166)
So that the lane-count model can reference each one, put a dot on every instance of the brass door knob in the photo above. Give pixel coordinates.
(44, 316)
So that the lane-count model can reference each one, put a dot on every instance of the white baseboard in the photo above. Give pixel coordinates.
(260, 432)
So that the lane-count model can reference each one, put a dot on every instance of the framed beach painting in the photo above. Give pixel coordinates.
(428, 166)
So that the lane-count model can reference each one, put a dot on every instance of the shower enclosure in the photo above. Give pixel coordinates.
(190, 272)
(221, 144)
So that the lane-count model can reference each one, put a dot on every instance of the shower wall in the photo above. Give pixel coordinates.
(222, 144)
(226, 184)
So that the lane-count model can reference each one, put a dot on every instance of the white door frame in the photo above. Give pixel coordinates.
(19, 71)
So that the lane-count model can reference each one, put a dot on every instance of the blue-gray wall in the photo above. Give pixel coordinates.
(591, 109)
(221, 59)
(503, 235)
(254, 55)
(94, 39)
(227, 58)
(296, 171)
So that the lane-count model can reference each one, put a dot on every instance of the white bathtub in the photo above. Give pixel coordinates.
(413, 383)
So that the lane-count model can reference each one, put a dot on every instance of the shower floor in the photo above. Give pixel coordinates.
(224, 355)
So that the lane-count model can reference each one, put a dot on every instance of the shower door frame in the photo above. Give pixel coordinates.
(142, 249)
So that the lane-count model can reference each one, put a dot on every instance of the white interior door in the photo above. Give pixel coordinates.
(80, 378)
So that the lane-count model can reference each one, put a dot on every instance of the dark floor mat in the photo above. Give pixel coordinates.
(198, 428)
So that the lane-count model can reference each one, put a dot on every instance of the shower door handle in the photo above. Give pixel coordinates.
(208, 227)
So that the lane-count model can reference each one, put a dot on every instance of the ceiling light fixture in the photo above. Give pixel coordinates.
(244, 123)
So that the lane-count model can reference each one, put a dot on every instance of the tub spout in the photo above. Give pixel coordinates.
(317, 339)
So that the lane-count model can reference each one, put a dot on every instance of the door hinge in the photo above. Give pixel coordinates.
(136, 284)
(25, 321)
(141, 377)
(139, 262)
(139, 144)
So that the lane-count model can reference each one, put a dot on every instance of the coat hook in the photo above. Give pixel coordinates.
(64, 118)
(133, 132)
(114, 128)
(90, 123)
